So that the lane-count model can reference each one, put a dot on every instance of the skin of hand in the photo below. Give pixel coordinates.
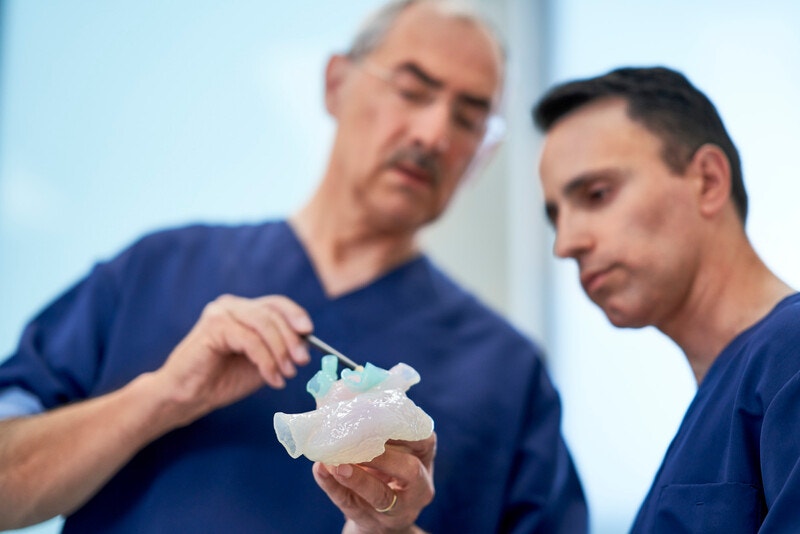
(236, 346)
(405, 469)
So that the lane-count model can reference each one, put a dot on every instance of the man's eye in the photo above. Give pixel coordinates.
(411, 89)
(465, 122)
(598, 194)
(414, 95)
(469, 120)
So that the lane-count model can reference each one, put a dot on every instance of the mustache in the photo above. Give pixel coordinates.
(416, 156)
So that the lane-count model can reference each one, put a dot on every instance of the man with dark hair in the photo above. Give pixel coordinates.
(643, 187)
(137, 399)
(667, 104)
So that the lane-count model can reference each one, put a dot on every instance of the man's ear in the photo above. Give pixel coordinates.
(335, 75)
(711, 165)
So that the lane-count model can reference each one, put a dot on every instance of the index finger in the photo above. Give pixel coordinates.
(294, 314)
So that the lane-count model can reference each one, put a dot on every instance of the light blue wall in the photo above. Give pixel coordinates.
(123, 116)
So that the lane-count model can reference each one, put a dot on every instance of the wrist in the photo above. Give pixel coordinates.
(164, 409)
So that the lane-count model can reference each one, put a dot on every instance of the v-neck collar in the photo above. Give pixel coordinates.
(350, 320)
(409, 265)
(732, 348)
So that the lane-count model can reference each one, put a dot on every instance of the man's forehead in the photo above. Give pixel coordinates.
(600, 114)
(594, 137)
(595, 129)
(444, 45)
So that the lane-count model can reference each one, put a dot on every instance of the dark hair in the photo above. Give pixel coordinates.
(664, 102)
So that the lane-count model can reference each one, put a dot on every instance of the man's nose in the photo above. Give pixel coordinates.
(573, 238)
(432, 126)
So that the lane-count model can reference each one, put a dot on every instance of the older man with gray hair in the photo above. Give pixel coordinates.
(140, 395)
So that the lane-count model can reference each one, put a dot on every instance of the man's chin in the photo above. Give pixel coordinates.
(400, 221)
(625, 324)
(408, 216)
(623, 318)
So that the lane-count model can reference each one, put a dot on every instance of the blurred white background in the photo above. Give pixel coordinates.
(118, 117)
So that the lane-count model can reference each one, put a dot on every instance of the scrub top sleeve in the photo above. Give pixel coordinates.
(61, 349)
(780, 459)
(17, 402)
(546, 494)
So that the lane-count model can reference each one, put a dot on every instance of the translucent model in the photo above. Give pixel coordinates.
(355, 415)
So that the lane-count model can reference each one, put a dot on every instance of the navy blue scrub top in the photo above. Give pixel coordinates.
(501, 466)
(733, 465)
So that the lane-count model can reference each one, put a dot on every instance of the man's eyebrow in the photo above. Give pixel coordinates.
(427, 79)
(578, 183)
(417, 71)
(583, 180)
(475, 101)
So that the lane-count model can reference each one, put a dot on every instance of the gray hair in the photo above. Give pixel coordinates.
(374, 29)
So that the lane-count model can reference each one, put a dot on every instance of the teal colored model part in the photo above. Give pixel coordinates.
(359, 381)
(321, 382)
(364, 379)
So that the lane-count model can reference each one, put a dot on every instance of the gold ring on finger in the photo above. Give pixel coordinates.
(390, 507)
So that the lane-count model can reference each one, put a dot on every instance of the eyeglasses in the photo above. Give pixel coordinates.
(470, 116)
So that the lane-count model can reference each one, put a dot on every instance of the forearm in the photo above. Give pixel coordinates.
(52, 463)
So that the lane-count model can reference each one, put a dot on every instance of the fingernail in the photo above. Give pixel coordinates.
(287, 368)
(344, 470)
(300, 355)
(279, 381)
(302, 324)
(322, 471)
